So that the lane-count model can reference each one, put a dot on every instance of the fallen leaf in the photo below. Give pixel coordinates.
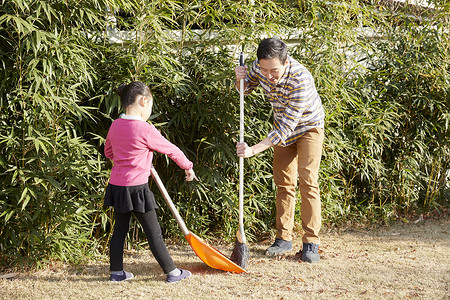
(418, 220)
(9, 276)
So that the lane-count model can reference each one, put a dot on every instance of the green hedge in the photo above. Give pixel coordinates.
(382, 72)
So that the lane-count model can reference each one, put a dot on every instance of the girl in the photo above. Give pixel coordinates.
(130, 144)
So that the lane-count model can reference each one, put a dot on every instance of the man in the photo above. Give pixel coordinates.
(297, 138)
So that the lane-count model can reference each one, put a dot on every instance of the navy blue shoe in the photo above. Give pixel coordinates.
(310, 253)
(279, 247)
(184, 274)
(121, 277)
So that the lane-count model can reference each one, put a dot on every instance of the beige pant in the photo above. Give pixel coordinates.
(300, 160)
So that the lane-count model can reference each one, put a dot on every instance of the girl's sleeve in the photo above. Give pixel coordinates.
(108, 149)
(157, 142)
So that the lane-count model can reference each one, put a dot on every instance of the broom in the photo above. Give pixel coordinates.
(240, 252)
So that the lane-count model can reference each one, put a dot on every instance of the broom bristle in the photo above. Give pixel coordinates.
(240, 254)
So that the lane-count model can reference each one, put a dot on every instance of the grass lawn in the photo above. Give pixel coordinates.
(405, 260)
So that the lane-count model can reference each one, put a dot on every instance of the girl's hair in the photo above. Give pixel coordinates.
(272, 48)
(129, 92)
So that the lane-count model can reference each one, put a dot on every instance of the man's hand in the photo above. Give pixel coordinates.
(243, 150)
(241, 72)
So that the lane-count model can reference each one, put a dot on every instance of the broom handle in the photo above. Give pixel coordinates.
(241, 159)
(169, 202)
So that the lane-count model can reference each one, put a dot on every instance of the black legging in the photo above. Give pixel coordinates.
(152, 230)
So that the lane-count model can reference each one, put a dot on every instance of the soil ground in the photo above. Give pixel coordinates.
(402, 261)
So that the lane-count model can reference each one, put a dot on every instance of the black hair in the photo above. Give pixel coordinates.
(272, 48)
(129, 92)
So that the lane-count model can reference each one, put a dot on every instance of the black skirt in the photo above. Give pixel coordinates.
(137, 198)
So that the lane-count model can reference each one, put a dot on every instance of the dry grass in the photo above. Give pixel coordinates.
(397, 262)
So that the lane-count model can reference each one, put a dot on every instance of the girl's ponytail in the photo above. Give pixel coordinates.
(129, 92)
(120, 89)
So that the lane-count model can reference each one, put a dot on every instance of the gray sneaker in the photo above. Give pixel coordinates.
(184, 274)
(310, 253)
(122, 277)
(279, 247)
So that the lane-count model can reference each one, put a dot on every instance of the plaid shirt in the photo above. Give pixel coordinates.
(296, 104)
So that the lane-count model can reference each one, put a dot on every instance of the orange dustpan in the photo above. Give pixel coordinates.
(210, 256)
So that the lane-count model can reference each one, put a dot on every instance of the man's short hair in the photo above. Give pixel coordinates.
(272, 48)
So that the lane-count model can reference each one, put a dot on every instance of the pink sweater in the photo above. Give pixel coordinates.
(130, 144)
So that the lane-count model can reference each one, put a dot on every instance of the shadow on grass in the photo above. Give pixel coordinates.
(150, 271)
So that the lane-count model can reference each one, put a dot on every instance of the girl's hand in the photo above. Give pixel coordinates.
(190, 175)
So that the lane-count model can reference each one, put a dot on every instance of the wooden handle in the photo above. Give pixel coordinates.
(241, 159)
(169, 202)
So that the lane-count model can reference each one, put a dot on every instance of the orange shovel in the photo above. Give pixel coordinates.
(210, 256)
